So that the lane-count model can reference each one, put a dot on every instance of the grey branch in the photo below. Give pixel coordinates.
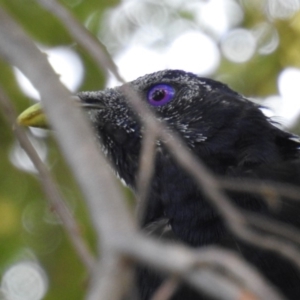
(198, 267)
(97, 183)
(83, 36)
(50, 188)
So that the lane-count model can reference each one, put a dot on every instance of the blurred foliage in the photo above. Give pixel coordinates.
(24, 213)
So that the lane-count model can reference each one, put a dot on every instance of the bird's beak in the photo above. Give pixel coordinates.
(34, 115)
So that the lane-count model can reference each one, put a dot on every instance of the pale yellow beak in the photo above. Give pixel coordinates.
(33, 116)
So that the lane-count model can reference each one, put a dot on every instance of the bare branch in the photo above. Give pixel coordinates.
(268, 189)
(97, 183)
(146, 169)
(109, 272)
(70, 125)
(203, 269)
(285, 232)
(167, 289)
(50, 188)
(83, 36)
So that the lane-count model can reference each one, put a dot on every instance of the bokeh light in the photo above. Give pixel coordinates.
(44, 236)
(194, 52)
(289, 89)
(239, 45)
(218, 16)
(267, 38)
(20, 159)
(24, 281)
(65, 62)
(281, 9)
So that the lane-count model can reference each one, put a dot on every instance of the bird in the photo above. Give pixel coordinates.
(230, 135)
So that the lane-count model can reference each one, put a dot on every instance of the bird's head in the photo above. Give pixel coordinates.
(195, 107)
(216, 122)
(209, 116)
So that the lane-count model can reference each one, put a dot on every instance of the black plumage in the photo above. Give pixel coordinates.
(232, 137)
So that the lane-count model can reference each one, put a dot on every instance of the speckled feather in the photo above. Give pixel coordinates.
(233, 138)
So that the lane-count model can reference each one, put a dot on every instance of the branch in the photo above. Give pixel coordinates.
(268, 189)
(167, 289)
(97, 183)
(83, 37)
(215, 271)
(145, 171)
(50, 188)
(285, 232)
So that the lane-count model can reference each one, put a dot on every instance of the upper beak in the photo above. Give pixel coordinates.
(34, 115)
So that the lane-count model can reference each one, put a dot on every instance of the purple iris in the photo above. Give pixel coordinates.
(160, 94)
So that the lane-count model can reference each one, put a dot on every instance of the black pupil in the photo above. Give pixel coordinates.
(158, 95)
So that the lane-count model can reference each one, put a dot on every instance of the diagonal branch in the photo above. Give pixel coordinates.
(215, 271)
(267, 189)
(83, 36)
(146, 170)
(167, 289)
(97, 183)
(50, 188)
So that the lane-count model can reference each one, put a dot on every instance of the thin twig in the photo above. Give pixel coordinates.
(264, 188)
(212, 270)
(286, 232)
(83, 36)
(167, 289)
(50, 188)
(145, 171)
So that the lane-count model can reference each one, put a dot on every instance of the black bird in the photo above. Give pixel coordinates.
(229, 134)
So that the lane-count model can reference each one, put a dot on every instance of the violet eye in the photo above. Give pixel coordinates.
(160, 94)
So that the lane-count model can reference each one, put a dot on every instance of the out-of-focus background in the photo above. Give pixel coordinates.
(252, 45)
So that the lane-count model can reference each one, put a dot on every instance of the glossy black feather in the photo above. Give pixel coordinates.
(232, 137)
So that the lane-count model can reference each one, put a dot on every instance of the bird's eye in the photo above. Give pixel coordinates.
(160, 94)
